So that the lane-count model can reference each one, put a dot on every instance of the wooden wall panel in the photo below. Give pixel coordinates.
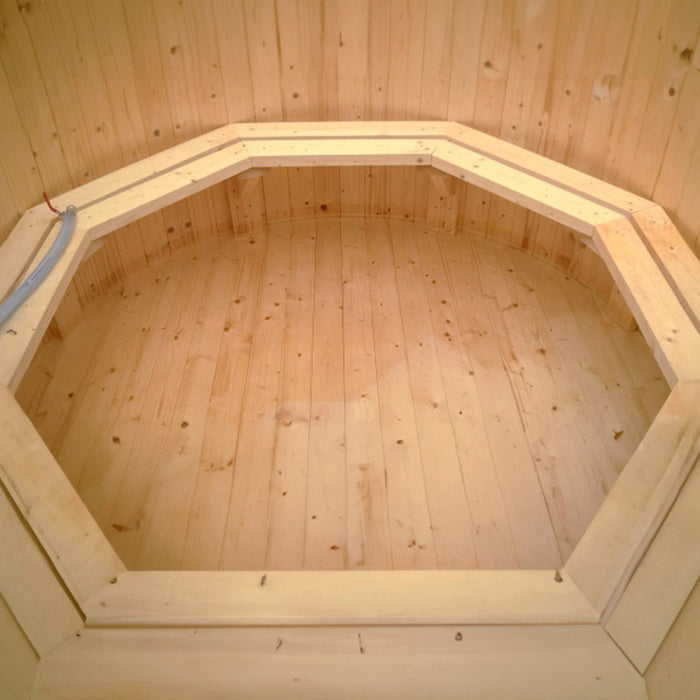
(610, 88)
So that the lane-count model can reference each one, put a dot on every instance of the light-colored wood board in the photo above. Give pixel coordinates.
(207, 516)
(369, 542)
(246, 198)
(18, 661)
(662, 581)
(32, 104)
(412, 538)
(674, 671)
(529, 190)
(679, 264)
(445, 487)
(187, 179)
(530, 524)
(672, 336)
(573, 180)
(289, 484)
(583, 393)
(83, 442)
(339, 151)
(493, 663)
(645, 54)
(250, 598)
(493, 538)
(53, 510)
(625, 361)
(16, 157)
(54, 380)
(179, 155)
(302, 131)
(145, 422)
(670, 72)
(168, 510)
(327, 497)
(573, 471)
(586, 70)
(609, 551)
(247, 521)
(22, 333)
(260, 21)
(31, 587)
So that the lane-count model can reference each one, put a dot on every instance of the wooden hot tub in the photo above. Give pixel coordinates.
(325, 424)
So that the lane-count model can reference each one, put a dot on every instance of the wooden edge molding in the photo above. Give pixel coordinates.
(674, 257)
(657, 278)
(30, 586)
(249, 598)
(662, 318)
(71, 538)
(617, 539)
(663, 581)
(496, 662)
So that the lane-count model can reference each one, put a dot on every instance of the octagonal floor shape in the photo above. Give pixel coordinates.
(344, 394)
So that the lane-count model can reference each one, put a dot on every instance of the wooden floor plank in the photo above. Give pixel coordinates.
(412, 543)
(535, 543)
(157, 396)
(326, 545)
(53, 381)
(207, 515)
(450, 516)
(111, 448)
(248, 512)
(287, 522)
(166, 524)
(369, 544)
(548, 403)
(71, 446)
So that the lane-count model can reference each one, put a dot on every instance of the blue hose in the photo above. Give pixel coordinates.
(38, 274)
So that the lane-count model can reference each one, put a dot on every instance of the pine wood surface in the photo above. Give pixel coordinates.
(611, 91)
(18, 660)
(340, 662)
(674, 670)
(344, 394)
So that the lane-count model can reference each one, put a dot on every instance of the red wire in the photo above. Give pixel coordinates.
(53, 209)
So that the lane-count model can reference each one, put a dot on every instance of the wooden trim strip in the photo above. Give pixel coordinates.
(30, 586)
(235, 598)
(22, 333)
(556, 203)
(42, 493)
(663, 580)
(324, 152)
(21, 247)
(668, 330)
(147, 168)
(346, 130)
(143, 198)
(547, 662)
(673, 255)
(548, 170)
(619, 535)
